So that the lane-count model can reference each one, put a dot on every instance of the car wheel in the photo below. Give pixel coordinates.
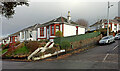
(109, 41)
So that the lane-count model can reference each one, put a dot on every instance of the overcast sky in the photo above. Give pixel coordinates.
(41, 12)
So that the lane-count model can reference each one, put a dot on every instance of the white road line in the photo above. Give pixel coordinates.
(115, 47)
(109, 54)
(105, 57)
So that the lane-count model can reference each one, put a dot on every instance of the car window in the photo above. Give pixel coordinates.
(105, 38)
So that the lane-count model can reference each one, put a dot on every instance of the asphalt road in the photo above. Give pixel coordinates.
(100, 57)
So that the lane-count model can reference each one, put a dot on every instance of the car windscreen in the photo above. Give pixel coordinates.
(105, 38)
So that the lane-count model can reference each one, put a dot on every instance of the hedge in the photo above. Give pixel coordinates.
(58, 40)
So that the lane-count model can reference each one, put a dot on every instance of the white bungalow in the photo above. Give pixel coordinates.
(29, 33)
(66, 26)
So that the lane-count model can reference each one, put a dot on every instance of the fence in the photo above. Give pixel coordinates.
(58, 40)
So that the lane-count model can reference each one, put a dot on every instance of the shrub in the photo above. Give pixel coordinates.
(5, 46)
(58, 34)
(65, 45)
(32, 45)
(16, 43)
(12, 48)
(5, 50)
(2, 45)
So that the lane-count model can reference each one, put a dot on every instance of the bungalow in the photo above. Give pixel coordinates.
(29, 33)
(66, 26)
(114, 25)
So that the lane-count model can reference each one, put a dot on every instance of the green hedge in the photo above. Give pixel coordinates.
(58, 40)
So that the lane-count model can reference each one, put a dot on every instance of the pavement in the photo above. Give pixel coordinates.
(100, 57)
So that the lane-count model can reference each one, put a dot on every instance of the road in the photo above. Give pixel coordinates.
(100, 57)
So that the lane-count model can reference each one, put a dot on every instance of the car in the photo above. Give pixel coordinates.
(117, 36)
(107, 39)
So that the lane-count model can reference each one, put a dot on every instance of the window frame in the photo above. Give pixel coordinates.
(42, 31)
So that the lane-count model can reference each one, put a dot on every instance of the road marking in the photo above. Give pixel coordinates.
(105, 57)
(109, 54)
(115, 47)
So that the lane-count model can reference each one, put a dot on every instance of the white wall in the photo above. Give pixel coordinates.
(70, 30)
(34, 35)
(81, 30)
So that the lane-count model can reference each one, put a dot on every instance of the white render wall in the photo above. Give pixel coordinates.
(81, 30)
(34, 35)
(70, 30)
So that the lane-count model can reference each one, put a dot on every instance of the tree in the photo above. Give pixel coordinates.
(8, 8)
(58, 34)
(82, 22)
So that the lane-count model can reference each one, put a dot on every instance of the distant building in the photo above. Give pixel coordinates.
(114, 25)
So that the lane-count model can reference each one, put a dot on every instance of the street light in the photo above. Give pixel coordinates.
(108, 18)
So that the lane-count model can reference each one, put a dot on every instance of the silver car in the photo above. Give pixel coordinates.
(117, 36)
(107, 39)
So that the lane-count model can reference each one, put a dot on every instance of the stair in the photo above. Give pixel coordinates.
(41, 49)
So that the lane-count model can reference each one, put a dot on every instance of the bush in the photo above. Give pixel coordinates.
(16, 43)
(44, 40)
(5, 46)
(58, 34)
(65, 45)
(32, 45)
(5, 50)
(12, 48)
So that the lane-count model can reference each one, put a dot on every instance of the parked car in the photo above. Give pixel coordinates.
(107, 39)
(117, 36)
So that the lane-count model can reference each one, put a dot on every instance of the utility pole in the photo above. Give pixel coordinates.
(108, 18)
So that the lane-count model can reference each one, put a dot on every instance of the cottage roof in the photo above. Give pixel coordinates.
(60, 20)
(31, 27)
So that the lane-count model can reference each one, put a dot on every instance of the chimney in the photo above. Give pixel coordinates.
(68, 17)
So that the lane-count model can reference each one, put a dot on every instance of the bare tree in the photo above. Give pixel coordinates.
(82, 22)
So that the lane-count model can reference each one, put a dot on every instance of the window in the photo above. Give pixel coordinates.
(57, 28)
(23, 35)
(42, 31)
(115, 27)
(52, 33)
(30, 34)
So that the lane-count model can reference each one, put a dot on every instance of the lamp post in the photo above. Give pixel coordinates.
(108, 18)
